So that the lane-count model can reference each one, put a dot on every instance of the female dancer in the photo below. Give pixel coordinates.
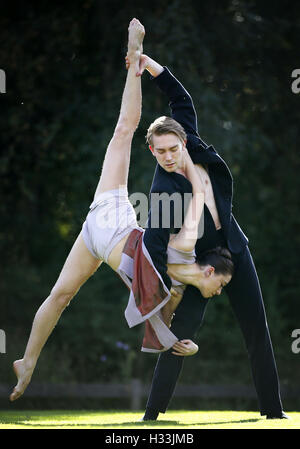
(97, 243)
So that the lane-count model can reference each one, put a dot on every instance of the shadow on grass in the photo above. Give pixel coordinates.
(177, 423)
(136, 424)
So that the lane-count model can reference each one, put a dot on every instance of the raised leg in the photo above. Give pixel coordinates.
(117, 158)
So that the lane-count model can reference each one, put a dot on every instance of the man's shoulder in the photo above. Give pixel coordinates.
(164, 182)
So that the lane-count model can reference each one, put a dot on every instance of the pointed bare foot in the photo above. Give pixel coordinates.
(24, 376)
(136, 33)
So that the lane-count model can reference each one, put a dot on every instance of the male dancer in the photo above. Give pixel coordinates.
(220, 228)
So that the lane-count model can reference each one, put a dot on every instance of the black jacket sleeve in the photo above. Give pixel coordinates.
(181, 105)
(156, 240)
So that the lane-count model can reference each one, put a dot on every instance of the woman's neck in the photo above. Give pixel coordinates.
(185, 273)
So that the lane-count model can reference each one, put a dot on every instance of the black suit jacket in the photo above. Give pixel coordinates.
(156, 238)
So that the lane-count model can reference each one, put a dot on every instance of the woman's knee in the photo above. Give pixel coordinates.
(62, 295)
(123, 131)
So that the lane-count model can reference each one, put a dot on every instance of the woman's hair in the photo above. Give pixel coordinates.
(219, 258)
(165, 125)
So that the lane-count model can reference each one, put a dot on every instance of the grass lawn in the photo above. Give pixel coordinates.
(179, 419)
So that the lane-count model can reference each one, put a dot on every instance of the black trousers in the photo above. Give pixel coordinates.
(246, 300)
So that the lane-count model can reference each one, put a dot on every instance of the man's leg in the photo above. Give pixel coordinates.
(188, 317)
(246, 300)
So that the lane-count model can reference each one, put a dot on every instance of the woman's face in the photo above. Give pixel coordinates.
(211, 283)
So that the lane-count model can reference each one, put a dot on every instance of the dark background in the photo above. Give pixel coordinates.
(64, 65)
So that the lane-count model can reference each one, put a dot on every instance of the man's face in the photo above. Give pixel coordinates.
(168, 151)
(212, 283)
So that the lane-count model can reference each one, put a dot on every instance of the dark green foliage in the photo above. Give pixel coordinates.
(64, 64)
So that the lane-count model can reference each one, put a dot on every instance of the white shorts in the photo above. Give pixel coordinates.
(111, 217)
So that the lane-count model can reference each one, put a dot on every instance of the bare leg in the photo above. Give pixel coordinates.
(79, 266)
(117, 159)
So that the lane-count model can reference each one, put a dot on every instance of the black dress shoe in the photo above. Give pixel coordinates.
(281, 416)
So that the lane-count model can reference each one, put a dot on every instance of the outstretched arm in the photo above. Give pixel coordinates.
(180, 101)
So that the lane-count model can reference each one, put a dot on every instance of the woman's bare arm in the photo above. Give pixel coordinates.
(186, 239)
(169, 308)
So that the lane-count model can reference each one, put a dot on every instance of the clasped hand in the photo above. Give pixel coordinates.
(185, 347)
